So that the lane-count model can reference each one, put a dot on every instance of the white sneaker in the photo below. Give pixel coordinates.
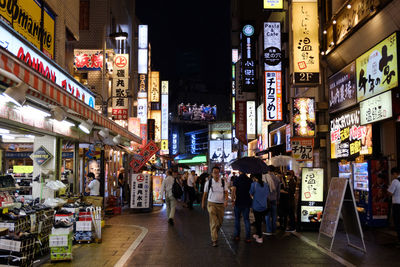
(259, 240)
(268, 233)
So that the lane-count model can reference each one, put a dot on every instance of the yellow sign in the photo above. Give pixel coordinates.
(27, 19)
(156, 116)
(377, 69)
(305, 26)
(164, 144)
(273, 4)
(22, 169)
(154, 87)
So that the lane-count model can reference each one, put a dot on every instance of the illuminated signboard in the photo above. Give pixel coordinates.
(348, 137)
(272, 46)
(302, 149)
(376, 108)
(251, 119)
(377, 69)
(120, 87)
(143, 37)
(154, 92)
(305, 26)
(221, 151)
(273, 4)
(88, 59)
(142, 51)
(248, 65)
(235, 55)
(175, 143)
(303, 117)
(134, 126)
(164, 117)
(288, 138)
(142, 110)
(342, 88)
(273, 96)
(156, 116)
(197, 112)
(312, 184)
(44, 66)
(311, 214)
(25, 16)
(240, 126)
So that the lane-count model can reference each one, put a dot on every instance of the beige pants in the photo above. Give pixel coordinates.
(171, 205)
(216, 215)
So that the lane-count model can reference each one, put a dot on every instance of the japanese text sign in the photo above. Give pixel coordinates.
(302, 149)
(241, 121)
(272, 46)
(273, 4)
(248, 64)
(273, 96)
(88, 59)
(147, 152)
(377, 69)
(251, 119)
(312, 185)
(303, 117)
(140, 191)
(376, 108)
(305, 50)
(154, 87)
(342, 88)
(120, 87)
(348, 137)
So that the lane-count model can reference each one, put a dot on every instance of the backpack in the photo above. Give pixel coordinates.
(177, 191)
(210, 183)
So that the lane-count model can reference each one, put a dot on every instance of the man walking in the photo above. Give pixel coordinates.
(273, 197)
(216, 191)
(242, 202)
(394, 191)
(191, 190)
(169, 197)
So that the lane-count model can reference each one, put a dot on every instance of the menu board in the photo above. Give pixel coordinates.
(361, 176)
(345, 170)
(312, 184)
(311, 214)
(333, 206)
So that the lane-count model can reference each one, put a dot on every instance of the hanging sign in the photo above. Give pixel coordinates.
(305, 49)
(251, 119)
(377, 69)
(302, 149)
(147, 152)
(248, 64)
(272, 46)
(120, 87)
(140, 191)
(154, 92)
(41, 156)
(376, 108)
(273, 4)
(273, 96)
(90, 60)
(241, 121)
(303, 117)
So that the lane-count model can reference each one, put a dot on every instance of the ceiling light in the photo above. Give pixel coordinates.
(105, 132)
(324, 32)
(16, 94)
(322, 53)
(334, 21)
(119, 35)
(4, 131)
(117, 139)
(8, 137)
(58, 113)
(86, 126)
(32, 112)
(29, 136)
(348, 6)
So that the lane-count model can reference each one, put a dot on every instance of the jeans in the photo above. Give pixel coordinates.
(259, 216)
(396, 219)
(270, 219)
(238, 212)
(171, 205)
(216, 213)
(192, 196)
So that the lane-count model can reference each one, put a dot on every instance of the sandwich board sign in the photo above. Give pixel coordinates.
(340, 200)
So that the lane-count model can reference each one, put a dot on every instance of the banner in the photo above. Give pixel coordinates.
(305, 49)
(273, 96)
(302, 149)
(342, 88)
(376, 108)
(241, 121)
(377, 69)
(120, 87)
(154, 91)
(147, 152)
(303, 117)
(140, 191)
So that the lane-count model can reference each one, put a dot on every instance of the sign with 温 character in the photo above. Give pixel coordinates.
(140, 191)
(273, 96)
(120, 87)
(377, 69)
(348, 137)
(305, 49)
(342, 88)
(302, 149)
(312, 184)
(41, 156)
(376, 108)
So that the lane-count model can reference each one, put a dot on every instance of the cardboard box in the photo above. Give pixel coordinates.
(95, 201)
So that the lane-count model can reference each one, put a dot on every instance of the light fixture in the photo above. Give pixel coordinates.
(117, 139)
(58, 113)
(16, 94)
(4, 131)
(322, 53)
(334, 21)
(105, 133)
(348, 6)
(33, 112)
(119, 35)
(86, 126)
(7, 137)
(324, 32)
(332, 43)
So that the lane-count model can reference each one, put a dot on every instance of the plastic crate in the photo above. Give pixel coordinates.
(58, 240)
(83, 226)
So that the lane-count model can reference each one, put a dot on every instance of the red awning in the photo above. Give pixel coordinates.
(46, 90)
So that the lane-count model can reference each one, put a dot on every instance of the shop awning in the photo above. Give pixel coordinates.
(51, 93)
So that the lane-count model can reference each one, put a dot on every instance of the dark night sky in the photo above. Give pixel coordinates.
(190, 42)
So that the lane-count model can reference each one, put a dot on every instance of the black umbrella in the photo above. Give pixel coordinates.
(181, 165)
(250, 165)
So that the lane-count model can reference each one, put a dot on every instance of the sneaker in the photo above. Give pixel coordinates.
(259, 240)
(171, 221)
(268, 233)
(214, 244)
(290, 230)
(255, 236)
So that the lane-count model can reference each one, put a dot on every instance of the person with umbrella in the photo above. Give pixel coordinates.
(242, 203)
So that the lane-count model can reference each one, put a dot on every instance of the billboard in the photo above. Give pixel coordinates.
(220, 151)
(305, 49)
(197, 112)
(377, 69)
(273, 96)
(303, 117)
(376, 108)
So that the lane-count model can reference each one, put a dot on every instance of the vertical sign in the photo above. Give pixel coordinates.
(120, 87)
(273, 96)
(143, 82)
(305, 43)
(248, 58)
(164, 117)
(175, 143)
(140, 191)
(154, 94)
(272, 46)
(288, 138)
(303, 117)
(241, 121)
(251, 119)
(156, 116)
(273, 4)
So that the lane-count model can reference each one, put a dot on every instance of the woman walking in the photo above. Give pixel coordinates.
(259, 192)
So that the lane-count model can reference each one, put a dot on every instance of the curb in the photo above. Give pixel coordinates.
(122, 261)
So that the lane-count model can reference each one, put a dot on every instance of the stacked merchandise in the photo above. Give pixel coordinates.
(17, 249)
(44, 225)
(60, 240)
(83, 231)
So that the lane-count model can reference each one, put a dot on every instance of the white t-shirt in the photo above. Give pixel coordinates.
(216, 194)
(395, 190)
(190, 181)
(94, 187)
(167, 186)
